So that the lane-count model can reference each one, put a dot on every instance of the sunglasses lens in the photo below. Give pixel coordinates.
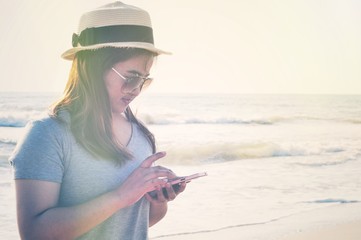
(133, 83)
(136, 82)
(146, 83)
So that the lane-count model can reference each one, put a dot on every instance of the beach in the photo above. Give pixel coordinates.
(231, 214)
(199, 216)
(342, 222)
(349, 231)
(281, 167)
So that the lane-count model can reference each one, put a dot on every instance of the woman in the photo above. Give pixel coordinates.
(86, 170)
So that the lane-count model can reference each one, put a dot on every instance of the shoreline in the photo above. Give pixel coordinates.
(336, 222)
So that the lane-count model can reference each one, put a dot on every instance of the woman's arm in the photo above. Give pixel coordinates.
(40, 217)
(157, 212)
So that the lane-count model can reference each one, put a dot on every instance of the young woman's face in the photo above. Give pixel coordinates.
(120, 93)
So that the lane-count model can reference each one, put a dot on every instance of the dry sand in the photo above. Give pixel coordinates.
(344, 231)
(340, 222)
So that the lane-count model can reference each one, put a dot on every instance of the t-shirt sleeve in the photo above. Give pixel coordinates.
(39, 155)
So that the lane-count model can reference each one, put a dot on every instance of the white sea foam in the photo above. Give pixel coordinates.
(171, 118)
(223, 152)
(16, 109)
(14, 120)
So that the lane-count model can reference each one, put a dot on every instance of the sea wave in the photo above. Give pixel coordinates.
(333, 200)
(19, 119)
(11, 121)
(224, 152)
(301, 155)
(171, 118)
(5, 141)
(328, 163)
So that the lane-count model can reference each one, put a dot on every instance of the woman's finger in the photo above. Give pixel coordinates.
(181, 188)
(155, 184)
(171, 194)
(148, 162)
(158, 172)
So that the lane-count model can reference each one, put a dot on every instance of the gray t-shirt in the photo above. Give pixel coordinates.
(49, 152)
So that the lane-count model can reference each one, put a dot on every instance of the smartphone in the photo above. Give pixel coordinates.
(186, 178)
(176, 183)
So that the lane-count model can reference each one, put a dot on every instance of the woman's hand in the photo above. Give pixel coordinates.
(145, 178)
(159, 199)
(166, 194)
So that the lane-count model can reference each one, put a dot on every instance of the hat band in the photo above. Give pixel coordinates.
(111, 34)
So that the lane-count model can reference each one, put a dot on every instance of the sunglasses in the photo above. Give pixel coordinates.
(134, 82)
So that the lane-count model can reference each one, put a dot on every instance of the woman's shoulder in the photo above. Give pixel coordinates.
(46, 122)
(49, 125)
(42, 152)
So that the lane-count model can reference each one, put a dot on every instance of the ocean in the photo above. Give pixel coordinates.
(267, 156)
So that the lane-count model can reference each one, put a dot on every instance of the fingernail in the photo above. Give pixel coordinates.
(162, 153)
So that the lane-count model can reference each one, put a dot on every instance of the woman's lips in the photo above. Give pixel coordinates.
(127, 101)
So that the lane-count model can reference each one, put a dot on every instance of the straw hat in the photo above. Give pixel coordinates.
(115, 25)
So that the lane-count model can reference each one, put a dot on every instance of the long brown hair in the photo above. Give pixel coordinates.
(86, 99)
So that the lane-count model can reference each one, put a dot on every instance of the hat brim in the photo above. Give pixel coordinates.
(70, 54)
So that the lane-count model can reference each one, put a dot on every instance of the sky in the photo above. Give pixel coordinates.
(231, 46)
